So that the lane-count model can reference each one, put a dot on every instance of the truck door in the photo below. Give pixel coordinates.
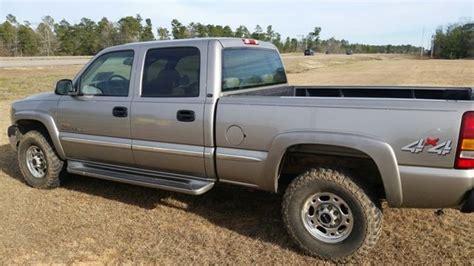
(95, 126)
(168, 111)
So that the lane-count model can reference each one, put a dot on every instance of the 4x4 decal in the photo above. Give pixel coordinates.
(418, 146)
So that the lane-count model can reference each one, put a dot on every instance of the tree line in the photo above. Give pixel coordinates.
(88, 37)
(454, 42)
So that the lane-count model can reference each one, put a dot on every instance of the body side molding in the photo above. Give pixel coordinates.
(96, 142)
(240, 155)
(168, 148)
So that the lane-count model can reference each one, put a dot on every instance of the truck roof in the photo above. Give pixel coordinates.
(224, 41)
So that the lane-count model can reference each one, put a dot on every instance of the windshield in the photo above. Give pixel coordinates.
(250, 67)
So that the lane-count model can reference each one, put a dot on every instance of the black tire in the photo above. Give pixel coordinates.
(367, 216)
(54, 169)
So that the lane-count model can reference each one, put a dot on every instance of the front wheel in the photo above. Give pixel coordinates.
(330, 217)
(39, 164)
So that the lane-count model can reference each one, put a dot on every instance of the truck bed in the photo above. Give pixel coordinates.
(398, 117)
(401, 92)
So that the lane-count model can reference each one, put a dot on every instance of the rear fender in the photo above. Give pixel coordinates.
(380, 152)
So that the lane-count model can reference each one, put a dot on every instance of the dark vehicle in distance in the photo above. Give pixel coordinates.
(308, 52)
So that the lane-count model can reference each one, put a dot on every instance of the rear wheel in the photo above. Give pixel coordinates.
(39, 164)
(331, 217)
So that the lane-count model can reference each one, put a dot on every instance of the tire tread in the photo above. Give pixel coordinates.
(55, 164)
(371, 210)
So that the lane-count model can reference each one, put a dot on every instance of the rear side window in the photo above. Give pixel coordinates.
(249, 67)
(171, 72)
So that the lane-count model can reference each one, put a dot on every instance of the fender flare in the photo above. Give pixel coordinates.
(48, 121)
(379, 151)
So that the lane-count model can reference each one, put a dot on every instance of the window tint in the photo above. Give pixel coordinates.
(171, 72)
(251, 67)
(108, 75)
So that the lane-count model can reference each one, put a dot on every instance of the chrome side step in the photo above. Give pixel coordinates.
(147, 179)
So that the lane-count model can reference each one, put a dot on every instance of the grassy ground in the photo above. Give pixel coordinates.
(378, 70)
(89, 220)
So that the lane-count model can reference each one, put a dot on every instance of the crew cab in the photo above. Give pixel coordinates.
(183, 115)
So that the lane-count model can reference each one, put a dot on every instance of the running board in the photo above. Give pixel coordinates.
(147, 179)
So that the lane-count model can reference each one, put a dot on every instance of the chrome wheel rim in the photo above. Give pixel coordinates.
(327, 217)
(36, 162)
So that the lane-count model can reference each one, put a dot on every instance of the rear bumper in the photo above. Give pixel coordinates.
(426, 187)
(12, 136)
(468, 205)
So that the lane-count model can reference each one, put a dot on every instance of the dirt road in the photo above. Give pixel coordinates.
(95, 221)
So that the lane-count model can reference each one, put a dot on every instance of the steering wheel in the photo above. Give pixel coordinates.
(116, 87)
(116, 76)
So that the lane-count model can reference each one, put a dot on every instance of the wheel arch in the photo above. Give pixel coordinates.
(353, 146)
(32, 120)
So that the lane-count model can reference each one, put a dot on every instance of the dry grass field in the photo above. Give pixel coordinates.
(96, 221)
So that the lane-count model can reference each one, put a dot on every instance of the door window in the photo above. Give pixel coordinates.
(108, 75)
(171, 72)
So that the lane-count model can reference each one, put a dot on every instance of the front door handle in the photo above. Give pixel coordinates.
(120, 111)
(185, 116)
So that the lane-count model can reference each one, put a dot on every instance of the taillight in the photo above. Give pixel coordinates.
(250, 41)
(465, 154)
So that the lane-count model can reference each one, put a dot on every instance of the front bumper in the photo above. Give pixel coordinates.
(468, 205)
(12, 136)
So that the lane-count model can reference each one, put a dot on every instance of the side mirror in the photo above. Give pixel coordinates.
(65, 87)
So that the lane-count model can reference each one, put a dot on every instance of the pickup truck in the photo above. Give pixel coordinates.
(183, 115)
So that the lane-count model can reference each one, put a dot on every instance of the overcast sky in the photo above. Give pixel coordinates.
(373, 22)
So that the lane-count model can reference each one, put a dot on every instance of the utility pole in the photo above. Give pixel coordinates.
(422, 36)
(48, 43)
(302, 40)
(432, 46)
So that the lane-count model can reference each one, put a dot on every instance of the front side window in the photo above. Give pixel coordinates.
(251, 67)
(171, 72)
(108, 75)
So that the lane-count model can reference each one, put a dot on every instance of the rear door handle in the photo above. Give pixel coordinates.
(185, 116)
(120, 111)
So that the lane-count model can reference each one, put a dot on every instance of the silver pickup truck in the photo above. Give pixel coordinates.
(183, 115)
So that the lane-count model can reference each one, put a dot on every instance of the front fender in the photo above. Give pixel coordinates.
(47, 120)
(381, 152)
